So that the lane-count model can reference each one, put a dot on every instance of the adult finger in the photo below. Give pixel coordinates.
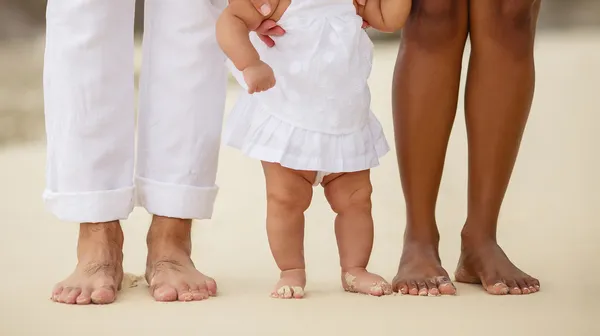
(263, 6)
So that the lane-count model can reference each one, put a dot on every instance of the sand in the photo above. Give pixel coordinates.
(548, 225)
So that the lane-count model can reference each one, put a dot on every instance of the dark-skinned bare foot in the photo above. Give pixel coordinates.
(170, 272)
(99, 271)
(483, 262)
(421, 272)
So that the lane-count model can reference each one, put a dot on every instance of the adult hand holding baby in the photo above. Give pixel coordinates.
(239, 18)
(270, 28)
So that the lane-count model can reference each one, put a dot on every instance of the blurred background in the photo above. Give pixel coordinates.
(22, 42)
(549, 218)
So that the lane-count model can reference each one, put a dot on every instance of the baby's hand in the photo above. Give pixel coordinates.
(259, 77)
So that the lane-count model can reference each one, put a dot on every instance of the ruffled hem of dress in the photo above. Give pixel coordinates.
(263, 136)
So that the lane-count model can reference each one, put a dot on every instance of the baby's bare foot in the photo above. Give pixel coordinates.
(358, 280)
(99, 272)
(290, 285)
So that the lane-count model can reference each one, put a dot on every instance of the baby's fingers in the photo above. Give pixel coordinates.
(265, 26)
(267, 40)
(275, 31)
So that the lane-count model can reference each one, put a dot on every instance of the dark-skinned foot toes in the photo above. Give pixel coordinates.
(513, 287)
(533, 284)
(498, 288)
(401, 287)
(445, 285)
(483, 259)
(422, 288)
(413, 289)
(524, 287)
(420, 262)
(432, 287)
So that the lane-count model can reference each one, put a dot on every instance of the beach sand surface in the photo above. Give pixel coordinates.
(549, 226)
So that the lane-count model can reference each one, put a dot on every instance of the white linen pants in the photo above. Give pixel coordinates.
(90, 109)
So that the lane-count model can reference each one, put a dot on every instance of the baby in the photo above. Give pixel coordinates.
(306, 115)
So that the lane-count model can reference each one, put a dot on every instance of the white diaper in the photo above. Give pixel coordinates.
(319, 178)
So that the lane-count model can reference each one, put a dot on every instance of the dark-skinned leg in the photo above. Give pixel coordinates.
(426, 85)
(500, 88)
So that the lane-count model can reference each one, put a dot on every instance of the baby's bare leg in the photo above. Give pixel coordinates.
(289, 193)
(349, 195)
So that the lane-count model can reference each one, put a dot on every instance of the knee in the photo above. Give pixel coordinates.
(436, 9)
(517, 16)
(511, 27)
(436, 22)
(343, 200)
(289, 199)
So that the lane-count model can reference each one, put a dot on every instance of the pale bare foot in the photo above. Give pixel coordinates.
(359, 280)
(99, 271)
(421, 272)
(290, 285)
(170, 272)
(483, 262)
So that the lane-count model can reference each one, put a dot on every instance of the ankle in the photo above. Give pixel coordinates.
(476, 237)
(106, 233)
(169, 232)
(100, 242)
(293, 271)
(353, 269)
(422, 235)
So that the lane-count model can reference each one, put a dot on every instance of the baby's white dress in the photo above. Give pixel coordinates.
(317, 117)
